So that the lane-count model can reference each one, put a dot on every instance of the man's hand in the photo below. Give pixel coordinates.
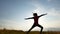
(26, 18)
(29, 18)
(44, 14)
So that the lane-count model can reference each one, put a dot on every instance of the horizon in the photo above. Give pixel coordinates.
(46, 29)
(14, 12)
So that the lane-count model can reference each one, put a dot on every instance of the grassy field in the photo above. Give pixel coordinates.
(22, 32)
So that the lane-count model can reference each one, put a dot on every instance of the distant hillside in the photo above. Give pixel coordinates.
(53, 29)
(22, 32)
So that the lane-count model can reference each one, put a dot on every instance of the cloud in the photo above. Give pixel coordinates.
(53, 12)
(9, 24)
(49, 0)
(39, 11)
(55, 23)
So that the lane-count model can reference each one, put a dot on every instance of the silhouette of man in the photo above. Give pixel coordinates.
(36, 17)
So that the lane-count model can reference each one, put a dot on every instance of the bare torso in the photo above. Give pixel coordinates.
(36, 20)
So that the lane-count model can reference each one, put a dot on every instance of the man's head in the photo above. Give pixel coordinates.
(34, 14)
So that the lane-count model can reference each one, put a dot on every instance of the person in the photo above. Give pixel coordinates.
(36, 17)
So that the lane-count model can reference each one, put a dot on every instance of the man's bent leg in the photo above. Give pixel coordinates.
(41, 28)
(30, 29)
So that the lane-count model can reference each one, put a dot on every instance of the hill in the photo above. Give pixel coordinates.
(22, 32)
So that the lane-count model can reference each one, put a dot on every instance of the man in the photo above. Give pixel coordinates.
(36, 17)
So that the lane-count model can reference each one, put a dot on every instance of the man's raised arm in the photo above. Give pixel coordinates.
(42, 15)
(29, 18)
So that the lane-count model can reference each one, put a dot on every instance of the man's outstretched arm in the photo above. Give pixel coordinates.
(29, 18)
(42, 15)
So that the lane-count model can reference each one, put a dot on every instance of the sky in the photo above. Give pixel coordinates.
(14, 12)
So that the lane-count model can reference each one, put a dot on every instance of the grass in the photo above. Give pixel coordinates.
(22, 32)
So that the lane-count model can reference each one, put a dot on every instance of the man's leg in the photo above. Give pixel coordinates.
(30, 29)
(41, 28)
